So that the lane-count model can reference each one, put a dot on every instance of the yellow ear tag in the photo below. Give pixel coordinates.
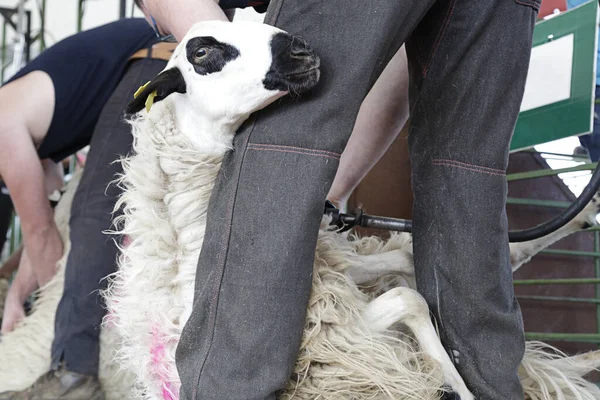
(150, 100)
(137, 92)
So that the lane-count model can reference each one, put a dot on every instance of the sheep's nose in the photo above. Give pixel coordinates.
(300, 50)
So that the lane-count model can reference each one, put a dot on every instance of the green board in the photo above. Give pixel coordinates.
(559, 94)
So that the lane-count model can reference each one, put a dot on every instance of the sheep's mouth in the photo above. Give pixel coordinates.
(297, 81)
(300, 82)
(302, 73)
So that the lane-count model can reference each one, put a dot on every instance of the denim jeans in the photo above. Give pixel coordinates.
(468, 61)
(93, 253)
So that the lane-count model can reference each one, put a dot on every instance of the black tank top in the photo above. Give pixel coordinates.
(85, 69)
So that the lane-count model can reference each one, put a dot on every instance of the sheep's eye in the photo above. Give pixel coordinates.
(200, 54)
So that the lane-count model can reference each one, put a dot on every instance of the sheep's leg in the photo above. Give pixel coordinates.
(407, 306)
(520, 253)
(366, 268)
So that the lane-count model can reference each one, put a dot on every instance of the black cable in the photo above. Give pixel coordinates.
(561, 219)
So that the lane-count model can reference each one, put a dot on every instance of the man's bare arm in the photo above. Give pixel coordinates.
(177, 17)
(26, 109)
(382, 115)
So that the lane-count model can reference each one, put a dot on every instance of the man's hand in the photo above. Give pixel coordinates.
(23, 285)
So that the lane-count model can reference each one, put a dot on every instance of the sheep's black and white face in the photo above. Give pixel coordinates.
(229, 70)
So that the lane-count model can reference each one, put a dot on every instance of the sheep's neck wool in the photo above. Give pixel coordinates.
(167, 185)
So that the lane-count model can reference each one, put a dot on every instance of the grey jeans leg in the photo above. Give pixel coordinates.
(254, 272)
(467, 82)
(93, 253)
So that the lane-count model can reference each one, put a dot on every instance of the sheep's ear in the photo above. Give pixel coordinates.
(165, 83)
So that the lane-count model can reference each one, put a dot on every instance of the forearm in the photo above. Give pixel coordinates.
(382, 115)
(22, 173)
(177, 17)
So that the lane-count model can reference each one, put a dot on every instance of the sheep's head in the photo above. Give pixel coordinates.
(229, 70)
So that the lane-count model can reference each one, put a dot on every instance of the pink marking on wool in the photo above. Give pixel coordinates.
(160, 366)
(168, 395)
(110, 319)
(125, 241)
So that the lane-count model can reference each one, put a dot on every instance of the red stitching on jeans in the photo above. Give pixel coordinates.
(293, 147)
(439, 39)
(418, 57)
(220, 270)
(251, 147)
(469, 165)
(468, 168)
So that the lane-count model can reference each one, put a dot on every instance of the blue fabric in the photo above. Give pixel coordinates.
(85, 69)
(93, 253)
(591, 142)
(575, 3)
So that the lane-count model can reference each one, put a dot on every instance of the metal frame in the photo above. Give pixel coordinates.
(561, 336)
(7, 16)
(122, 8)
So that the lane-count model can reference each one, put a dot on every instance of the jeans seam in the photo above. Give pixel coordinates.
(58, 357)
(435, 160)
(296, 150)
(440, 38)
(220, 269)
(446, 164)
(265, 145)
(438, 303)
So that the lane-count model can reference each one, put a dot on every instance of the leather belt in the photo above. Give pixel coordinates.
(160, 51)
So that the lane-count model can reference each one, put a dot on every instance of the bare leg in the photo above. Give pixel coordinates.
(382, 115)
(407, 306)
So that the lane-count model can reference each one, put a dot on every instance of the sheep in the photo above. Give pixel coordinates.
(167, 183)
(354, 345)
(26, 351)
